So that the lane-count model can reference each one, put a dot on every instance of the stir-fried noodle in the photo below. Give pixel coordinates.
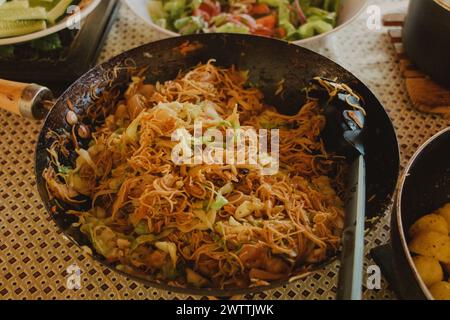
(204, 225)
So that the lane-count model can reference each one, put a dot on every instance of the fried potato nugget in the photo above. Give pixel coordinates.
(430, 222)
(445, 212)
(431, 244)
(429, 269)
(441, 290)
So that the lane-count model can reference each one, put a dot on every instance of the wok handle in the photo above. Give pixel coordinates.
(24, 99)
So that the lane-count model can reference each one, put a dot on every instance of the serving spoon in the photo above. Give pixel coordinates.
(345, 122)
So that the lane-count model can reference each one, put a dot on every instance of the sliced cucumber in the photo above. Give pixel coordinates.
(48, 5)
(23, 14)
(16, 4)
(18, 28)
(58, 10)
(18, 17)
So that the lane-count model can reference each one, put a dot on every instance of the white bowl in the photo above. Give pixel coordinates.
(349, 11)
(63, 24)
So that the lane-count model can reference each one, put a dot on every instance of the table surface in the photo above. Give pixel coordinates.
(35, 255)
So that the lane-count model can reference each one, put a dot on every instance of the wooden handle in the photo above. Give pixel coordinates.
(24, 99)
(11, 94)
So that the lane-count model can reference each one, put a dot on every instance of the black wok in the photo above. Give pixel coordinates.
(268, 61)
(423, 188)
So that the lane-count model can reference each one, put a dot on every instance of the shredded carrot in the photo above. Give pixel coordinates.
(268, 22)
(281, 32)
(260, 9)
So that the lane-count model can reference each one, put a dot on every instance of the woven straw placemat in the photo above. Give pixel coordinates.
(34, 255)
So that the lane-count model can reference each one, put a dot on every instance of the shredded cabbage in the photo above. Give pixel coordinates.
(85, 157)
(149, 238)
(170, 248)
(248, 207)
(131, 133)
(219, 203)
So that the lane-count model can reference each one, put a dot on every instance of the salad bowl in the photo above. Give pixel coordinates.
(348, 11)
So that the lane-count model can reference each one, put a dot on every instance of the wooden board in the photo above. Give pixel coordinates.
(425, 94)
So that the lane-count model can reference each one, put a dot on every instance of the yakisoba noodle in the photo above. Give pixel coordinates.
(204, 225)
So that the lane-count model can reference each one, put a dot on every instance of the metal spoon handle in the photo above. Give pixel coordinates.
(351, 269)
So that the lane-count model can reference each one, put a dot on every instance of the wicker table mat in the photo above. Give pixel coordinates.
(34, 255)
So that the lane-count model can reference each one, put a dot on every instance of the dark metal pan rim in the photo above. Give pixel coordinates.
(191, 290)
(398, 211)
